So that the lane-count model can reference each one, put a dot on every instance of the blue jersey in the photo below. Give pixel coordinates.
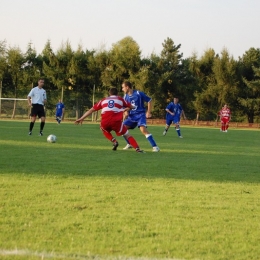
(137, 99)
(59, 108)
(174, 108)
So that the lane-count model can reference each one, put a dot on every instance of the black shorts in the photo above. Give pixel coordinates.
(37, 110)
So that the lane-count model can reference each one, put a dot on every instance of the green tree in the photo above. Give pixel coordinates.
(248, 95)
(161, 75)
(15, 63)
(202, 70)
(2, 59)
(123, 62)
(32, 67)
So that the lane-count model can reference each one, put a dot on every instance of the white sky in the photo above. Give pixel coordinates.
(195, 24)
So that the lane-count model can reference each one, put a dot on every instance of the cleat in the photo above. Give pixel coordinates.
(180, 136)
(156, 149)
(164, 132)
(115, 145)
(128, 146)
(30, 133)
(41, 134)
(139, 151)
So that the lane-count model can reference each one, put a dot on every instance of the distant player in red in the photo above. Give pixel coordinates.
(112, 109)
(225, 116)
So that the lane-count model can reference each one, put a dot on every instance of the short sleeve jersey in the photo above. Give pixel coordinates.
(112, 108)
(225, 112)
(137, 100)
(174, 108)
(38, 95)
(59, 108)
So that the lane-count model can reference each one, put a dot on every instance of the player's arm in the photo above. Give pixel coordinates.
(127, 107)
(168, 111)
(29, 101)
(45, 98)
(63, 109)
(81, 119)
(149, 108)
(183, 114)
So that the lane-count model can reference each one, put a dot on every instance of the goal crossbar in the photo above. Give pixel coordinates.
(13, 98)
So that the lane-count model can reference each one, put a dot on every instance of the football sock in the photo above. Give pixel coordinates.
(108, 136)
(42, 126)
(227, 127)
(178, 131)
(166, 129)
(114, 140)
(150, 139)
(126, 139)
(132, 142)
(31, 126)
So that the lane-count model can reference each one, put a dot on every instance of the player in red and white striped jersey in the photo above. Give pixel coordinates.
(112, 109)
(225, 116)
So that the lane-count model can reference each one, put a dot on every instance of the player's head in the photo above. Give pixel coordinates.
(113, 91)
(175, 100)
(126, 86)
(225, 106)
(40, 82)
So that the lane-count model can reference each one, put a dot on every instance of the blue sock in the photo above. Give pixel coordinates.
(151, 140)
(178, 131)
(126, 139)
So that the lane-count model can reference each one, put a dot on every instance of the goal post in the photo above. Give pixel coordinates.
(14, 107)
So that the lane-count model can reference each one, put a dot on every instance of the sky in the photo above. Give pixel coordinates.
(95, 24)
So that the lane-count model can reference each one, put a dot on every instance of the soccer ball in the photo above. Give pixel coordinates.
(51, 139)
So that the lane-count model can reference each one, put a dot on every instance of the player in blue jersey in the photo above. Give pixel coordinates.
(137, 116)
(173, 116)
(59, 111)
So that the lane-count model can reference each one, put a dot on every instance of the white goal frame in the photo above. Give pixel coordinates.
(11, 99)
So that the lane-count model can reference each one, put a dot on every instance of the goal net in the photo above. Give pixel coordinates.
(14, 108)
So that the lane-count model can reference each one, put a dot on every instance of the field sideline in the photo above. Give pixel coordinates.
(198, 198)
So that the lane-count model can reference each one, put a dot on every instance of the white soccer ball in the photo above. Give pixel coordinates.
(51, 139)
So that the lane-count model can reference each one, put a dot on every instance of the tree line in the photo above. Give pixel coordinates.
(203, 84)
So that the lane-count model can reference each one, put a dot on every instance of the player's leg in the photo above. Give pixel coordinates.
(130, 124)
(56, 118)
(177, 128)
(41, 115)
(143, 128)
(227, 125)
(222, 125)
(167, 126)
(33, 118)
(107, 133)
(125, 133)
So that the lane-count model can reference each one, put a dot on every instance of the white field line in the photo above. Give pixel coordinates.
(46, 255)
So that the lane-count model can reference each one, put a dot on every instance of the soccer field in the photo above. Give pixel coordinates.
(198, 198)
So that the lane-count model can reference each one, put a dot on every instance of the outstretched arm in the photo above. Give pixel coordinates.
(80, 120)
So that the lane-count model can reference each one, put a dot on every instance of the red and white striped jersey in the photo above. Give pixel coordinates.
(112, 108)
(225, 112)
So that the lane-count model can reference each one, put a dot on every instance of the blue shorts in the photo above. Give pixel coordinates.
(135, 120)
(172, 120)
(58, 114)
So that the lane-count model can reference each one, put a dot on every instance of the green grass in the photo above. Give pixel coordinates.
(198, 198)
